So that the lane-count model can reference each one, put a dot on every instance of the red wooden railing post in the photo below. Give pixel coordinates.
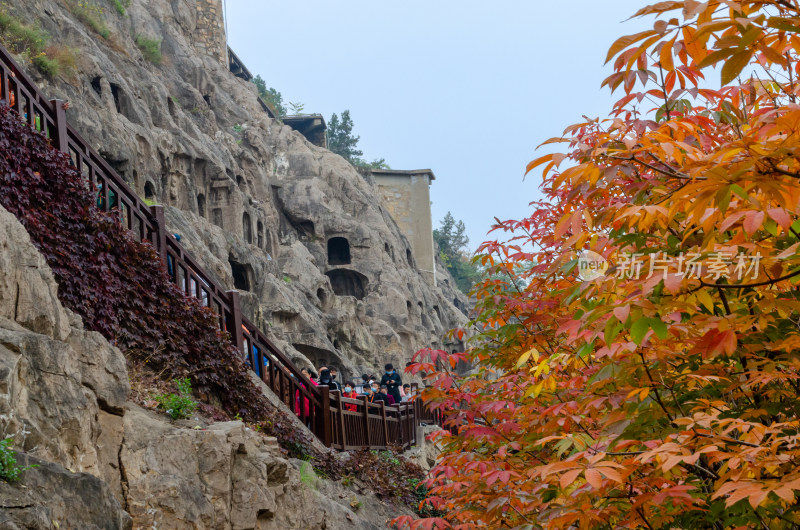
(234, 322)
(60, 120)
(324, 425)
(366, 421)
(342, 423)
(385, 424)
(160, 237)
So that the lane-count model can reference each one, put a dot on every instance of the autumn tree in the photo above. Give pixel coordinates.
(661, 391)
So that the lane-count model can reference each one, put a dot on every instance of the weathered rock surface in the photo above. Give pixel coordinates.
(106, 463)
(55, 378)
(51, 494)
(252, 199)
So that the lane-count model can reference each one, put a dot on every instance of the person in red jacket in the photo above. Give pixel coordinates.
(350, 392)
(307, 405)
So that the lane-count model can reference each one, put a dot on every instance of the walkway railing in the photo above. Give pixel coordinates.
(338, 422)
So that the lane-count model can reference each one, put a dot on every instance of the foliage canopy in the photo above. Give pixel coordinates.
(270, 95)
(342, 142)
(452, 240)
(663, 393)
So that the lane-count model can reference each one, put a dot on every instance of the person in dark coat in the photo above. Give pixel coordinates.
(325, 380)
(388, 396)
(374, 394)
(392, 381)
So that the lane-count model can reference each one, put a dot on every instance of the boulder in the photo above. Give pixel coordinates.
(49, 496)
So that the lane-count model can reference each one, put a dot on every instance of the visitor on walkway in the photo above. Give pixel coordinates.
(361, 386)
(392, 381)
(389, 397)
(306, 403)
(375, 395)
(349, 392)
(334, 373)
(310, 376)
(325, 380)
(406, 393)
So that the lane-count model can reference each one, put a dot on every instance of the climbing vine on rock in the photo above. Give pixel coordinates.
(114, 282)
(643, 373)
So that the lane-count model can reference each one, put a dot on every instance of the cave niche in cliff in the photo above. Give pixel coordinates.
(247, 228)
(321, 357)
(347, 282)
(201, 204)
(241, 274)
(338, 251)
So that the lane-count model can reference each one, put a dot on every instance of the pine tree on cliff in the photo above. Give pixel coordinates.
(341, 140)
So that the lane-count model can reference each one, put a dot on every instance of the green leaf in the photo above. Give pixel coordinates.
(612, 329)
(792, 25)
(735, 188)
(723, 198)
(715, 57)
(587, 348)
(658, 327)
(639, 330)
(771, 226)
(735, 65)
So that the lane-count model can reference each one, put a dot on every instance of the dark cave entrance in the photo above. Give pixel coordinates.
(338, 251)
(348, 283)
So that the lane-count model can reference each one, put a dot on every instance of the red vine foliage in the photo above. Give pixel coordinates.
(114, 282)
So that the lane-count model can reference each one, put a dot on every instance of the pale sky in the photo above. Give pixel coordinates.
(465, 88)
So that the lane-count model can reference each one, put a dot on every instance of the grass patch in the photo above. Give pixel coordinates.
(179, 406)
(30, 42)
(19, 37)
(121, 6)
(46, 65)
(92, 17)
(56, 60)
(151, 48)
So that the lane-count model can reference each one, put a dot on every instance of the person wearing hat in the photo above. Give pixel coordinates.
(392, 381)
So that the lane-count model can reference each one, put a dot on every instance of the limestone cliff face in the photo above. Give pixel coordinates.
(103, 462)
(254, 201)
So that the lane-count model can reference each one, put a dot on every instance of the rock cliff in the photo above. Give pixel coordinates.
(252, 199)
(104, 462)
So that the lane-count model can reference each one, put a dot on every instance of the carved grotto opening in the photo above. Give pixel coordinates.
(201, 204)
(338, 251)
(242, 274)
(347, 282)
(247, 228)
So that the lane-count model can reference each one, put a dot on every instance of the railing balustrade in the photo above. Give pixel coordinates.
(339, 422)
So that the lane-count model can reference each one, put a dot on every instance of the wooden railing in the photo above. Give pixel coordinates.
(327, 414)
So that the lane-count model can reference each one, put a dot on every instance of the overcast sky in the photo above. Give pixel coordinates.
(465, 88)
